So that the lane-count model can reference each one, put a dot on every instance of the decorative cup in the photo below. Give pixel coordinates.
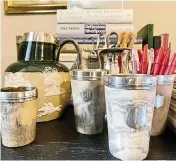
(18, 115)
(88, 100)
(130, 103)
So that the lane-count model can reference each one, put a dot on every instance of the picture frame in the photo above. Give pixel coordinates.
(33, 6)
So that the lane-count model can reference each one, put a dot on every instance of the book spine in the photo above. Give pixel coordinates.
(95, 16)
(91, 29)
(69, 48)
(93, 40)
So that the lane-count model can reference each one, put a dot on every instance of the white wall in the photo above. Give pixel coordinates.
(161, 14)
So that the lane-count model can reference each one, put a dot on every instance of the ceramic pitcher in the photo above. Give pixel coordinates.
(38, 65)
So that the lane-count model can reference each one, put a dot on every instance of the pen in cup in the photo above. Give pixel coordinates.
(140, 52)
(165, 41)
(165, 62)
(144, 60)
(156, 53)
(172, 66)
(151, 59)
(134, 61)
(157, 62)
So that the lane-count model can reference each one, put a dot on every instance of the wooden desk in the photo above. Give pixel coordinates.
(59, 140)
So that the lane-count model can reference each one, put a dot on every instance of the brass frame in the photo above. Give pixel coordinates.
(9, 7)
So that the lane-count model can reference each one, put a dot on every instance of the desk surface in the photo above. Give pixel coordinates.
(59, 140)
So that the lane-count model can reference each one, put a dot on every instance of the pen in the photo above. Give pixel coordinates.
(144, 61)
(157, 62)
(151, 60)
(134, 61)
(156, 53)
(140, 55)
(172, 66)
(120, 63)
(140, 52)
(165, 41)
(165, 61)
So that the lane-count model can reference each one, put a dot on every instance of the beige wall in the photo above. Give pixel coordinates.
(161, 14)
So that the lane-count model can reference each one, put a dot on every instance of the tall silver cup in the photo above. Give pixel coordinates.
(88, 100)
(130, 103)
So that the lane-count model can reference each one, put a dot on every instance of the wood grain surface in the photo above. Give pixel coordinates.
(59, 140)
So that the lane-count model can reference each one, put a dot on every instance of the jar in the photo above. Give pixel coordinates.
(38, 65)
(18, 115)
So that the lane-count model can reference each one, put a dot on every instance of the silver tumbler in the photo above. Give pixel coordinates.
(130, 102)
(88, 100)
(18, 115)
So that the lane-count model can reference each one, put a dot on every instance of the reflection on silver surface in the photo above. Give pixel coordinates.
(135, 81)
(18, 94)
(87, 74)
(40, 37)
(164, 79)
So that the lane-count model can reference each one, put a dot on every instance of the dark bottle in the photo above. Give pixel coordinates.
(38, 65)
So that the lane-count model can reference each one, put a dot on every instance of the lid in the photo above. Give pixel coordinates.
(130, 81)
(18, 94)
(40, 37)
(87, 74)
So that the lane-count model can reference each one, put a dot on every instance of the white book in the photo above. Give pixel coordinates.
(95, 16)
(91, 29)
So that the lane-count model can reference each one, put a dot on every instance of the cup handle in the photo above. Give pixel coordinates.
(77, 64)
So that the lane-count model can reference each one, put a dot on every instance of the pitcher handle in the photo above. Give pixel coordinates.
(78, 59)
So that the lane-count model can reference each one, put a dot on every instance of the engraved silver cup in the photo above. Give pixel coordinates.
(88, 100)
(130, 103)
(18, 115)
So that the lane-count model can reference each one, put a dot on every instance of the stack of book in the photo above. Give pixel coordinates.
(83, 24)
(172, 110)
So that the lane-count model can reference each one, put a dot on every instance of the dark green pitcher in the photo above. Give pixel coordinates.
(38, 65)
